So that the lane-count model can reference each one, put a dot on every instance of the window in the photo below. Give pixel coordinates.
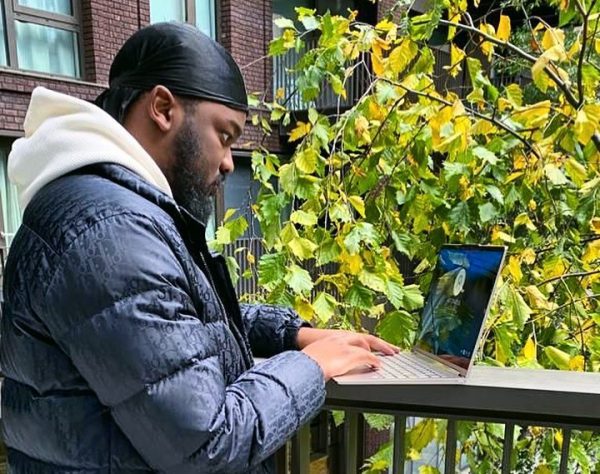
(11, 212)
(197, 12)
(41, 35)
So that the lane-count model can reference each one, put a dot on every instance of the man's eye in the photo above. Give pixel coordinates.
(225, 137)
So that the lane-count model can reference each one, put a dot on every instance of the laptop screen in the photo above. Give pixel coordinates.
(459, 295)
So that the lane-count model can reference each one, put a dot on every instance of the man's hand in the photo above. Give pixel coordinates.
(338, 352)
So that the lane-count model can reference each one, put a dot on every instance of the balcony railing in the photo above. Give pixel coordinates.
(513, 397)
(285, 77)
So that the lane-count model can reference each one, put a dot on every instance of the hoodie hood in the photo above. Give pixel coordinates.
(63, 134)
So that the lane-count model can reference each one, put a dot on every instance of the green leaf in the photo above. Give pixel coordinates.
(460, 216)
(328, 251)
(362, 232)
(284, 23)
(397, 327)
(306, 160)
(412, 297)
(495, 193)
(302, 248)
(304, 218)
(298, 279)
(422, 434)
(324, 306)
(555, 175)
(576, 171)
(487, 212)
(518, 307)
(359, 297)
(371, 280)
(271, 268)
(288, 178)
(485, 155)
(559, 358)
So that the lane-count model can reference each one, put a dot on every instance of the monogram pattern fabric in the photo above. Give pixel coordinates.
(123, 346)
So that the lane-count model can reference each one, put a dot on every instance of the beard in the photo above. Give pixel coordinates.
(192, 188)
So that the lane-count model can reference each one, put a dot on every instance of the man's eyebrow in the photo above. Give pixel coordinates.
(237, 129)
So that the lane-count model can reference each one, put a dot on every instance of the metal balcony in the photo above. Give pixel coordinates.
(513, 397)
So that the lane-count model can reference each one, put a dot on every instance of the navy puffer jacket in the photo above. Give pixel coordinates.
(123, 346)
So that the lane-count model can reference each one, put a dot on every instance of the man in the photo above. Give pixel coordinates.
(123, 346)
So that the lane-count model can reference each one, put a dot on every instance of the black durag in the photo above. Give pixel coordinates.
(179, 57)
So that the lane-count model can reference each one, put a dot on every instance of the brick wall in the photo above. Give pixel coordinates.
(244, 28)
(105, 26)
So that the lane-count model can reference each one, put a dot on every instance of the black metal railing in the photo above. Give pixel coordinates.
(512, 397)
(285, 76)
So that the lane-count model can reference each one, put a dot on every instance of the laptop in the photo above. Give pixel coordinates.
(451, 322)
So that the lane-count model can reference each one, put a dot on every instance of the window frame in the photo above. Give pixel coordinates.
(190, 14)
(13, 12)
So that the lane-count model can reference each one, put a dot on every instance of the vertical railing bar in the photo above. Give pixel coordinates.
(351, 442)
(507, 447)
(564, 452)
(282, 459)
(450, 455)
(399, 434)
(301, 451)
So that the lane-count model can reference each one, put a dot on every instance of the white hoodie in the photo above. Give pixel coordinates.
(62, 134)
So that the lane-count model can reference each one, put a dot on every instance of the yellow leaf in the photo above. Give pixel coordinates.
(250, 258)
(304, 308)
(402, 55)
(302, 248)
(385, 25)
(553, 37)
(586, 122)
(523, 219)
(503, 33)
(529, 350)
(456, 57)
(592, 252)
(358, 204)
(597, 45)
(503, 236)
(558, 437)
(577, 363)
(528, 256)
(534, 114)
(486, 46)
(537, 299)
(595, 225)
(361, 126)
(377, 63)
(514, 268)
(543, 469)
(513, 176)
(300, 131)
(353, 264)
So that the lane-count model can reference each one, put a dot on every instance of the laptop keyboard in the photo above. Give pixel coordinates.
(406, 365)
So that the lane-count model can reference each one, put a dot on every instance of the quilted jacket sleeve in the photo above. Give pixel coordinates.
(271, 329)
(118, 304)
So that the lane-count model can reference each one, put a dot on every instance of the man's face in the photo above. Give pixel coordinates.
(202, 155)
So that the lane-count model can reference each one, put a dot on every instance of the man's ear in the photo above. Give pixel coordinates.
(162, 108)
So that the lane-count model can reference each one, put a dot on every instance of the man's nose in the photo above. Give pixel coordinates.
(227, 165)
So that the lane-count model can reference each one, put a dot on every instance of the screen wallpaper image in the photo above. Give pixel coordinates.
(462, 285)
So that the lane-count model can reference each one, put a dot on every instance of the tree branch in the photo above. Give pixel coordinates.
(525, 55)
(569, 275)
(497, 123)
